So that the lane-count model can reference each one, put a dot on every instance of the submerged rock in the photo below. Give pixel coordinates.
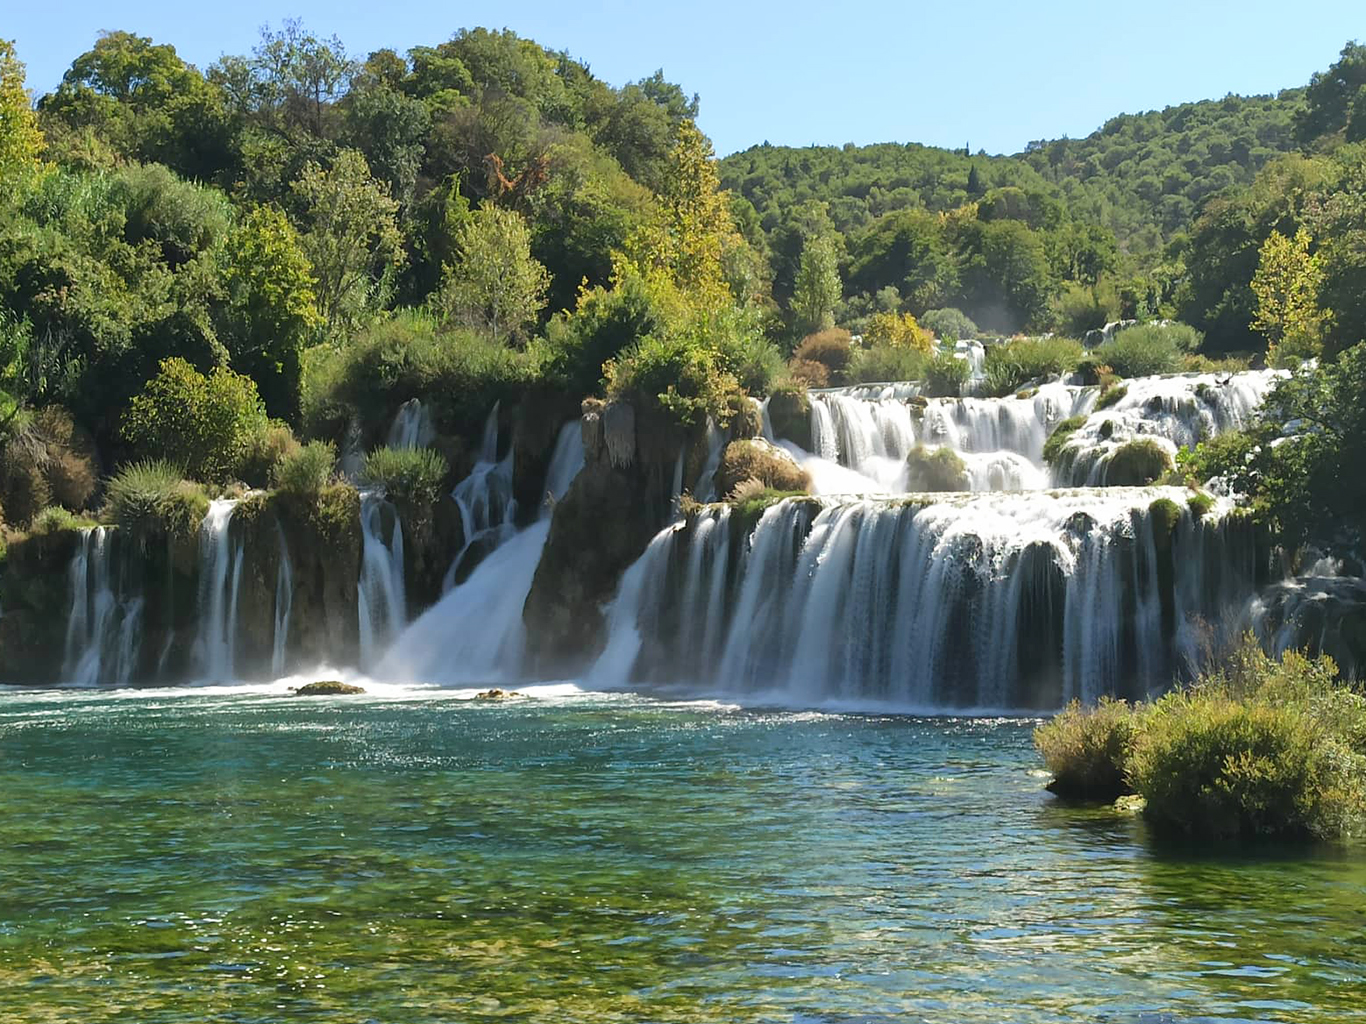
(327, 688)
(497, 694)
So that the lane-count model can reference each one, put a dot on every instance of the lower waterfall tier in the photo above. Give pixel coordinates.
(934, 601)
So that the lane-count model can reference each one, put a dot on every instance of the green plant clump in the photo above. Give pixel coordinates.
(1011, 366)
(1053, 447)
(412, 475)
(1200, 504)
(306, 471)
(1149, 349)
(1137, 464)
(150, 500)
(1110, 395)
(936, 469)
(1087, 749)
(945, 376)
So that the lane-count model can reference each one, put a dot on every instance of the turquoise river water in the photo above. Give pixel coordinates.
(241, 856)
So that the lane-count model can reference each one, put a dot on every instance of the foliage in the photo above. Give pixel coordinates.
(21, 141)
(305, 471)
(149, 500)
(265, 447)
(1011, 366)
(1087, 749)
(945, 376)
(1111, 394)
(949, 324)
(935, 469)
(817, 287)
(898, 330)
(1057, 441)
(495, 283)
(1137, 463)
(410, 475)
(886, 363)
(1148, 349)
(674, 374)
(202, 424)
(55, 519)
(1286, 286)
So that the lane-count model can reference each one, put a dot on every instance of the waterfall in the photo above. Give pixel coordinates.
(412, 426)
(284, 604)
(380, 599)
(565, 461)
(964, 601)
(220, 578)
(104, 630)
(485, 500)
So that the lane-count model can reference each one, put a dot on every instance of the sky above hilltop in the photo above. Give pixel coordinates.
(992, 74)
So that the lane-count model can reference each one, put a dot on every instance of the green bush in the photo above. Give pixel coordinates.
(677, 375)
(1137, 464)
(936, 469)
(305, 471)
(54, 519)
(1011, 366)
(1111, 394)
(150, 500)
(204, 424)
(410, 475)
(1149, 349)
(949, 324)
(1200, 505)
(832, 348)
(263, 451)
(1053, 447)
(1087, 749)
(887, 363)
(945, 376)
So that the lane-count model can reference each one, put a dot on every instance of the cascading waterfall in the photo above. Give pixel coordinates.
(412, 426)
(475, 634)
(220, 579)
(284, 605)
(982, 601)
(103, 633)
(380, 599)
(485, 500)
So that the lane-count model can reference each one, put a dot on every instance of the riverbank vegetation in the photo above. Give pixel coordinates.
(1257, 747)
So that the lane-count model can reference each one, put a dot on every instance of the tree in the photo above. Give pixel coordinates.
(1286, 286)
(352, 240)
(495, 281)
(818, 287)
(1336, 99)
(201, 424)
(21, 141)
(272, 309)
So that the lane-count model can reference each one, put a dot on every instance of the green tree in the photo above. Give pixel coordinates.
(1335, 100)
(495, 282)
(818, 287)
(272, 310)
(1286, 286)
(21, 141)
(352, 241)
(201, 424)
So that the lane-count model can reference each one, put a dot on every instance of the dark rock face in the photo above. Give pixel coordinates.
(33, 594)
(327, 688)
(618, 502)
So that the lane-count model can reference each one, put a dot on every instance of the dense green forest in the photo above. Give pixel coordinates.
(208, 267)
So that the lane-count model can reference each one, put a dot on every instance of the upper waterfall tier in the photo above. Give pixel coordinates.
(936, 601)
(871, 429)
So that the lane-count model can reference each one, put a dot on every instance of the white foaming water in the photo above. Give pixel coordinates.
(284, 604)
(565, 461)
(1173, 411)
(381, 603)
(958, 602)
(485, 499)
(220, 578)
(103, 633)
(412, 426)
(474, 634)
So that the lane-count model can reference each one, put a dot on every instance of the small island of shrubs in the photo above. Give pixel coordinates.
(1256, 748)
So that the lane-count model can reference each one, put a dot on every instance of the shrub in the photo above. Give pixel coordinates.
(809, 372)
(745, 354)
(410, 475)
(1149, 349)
(68, 457)
(1216, 456)
(1009, 367)
(150, 500)
(263, 451)
(1087, 749)
(1053, 447)
(897, 330)
(1111, 394)
(945, 376)
(305, 471)
(676, 375)
(750, 499)
(832, 348)
(203, 424)
(604, 325)
(759, 460)
(54, 519)
(887, 363)
(936, 469)
(1137, 464)
(949, 324)
(1200, 505)
(24, 490)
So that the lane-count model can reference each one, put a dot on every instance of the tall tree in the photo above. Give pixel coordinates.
(1286, 286)
(21, 142)
(818, 286)
(495, 283)
(352, 241)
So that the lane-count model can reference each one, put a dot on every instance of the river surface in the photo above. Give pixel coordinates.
(411, 857)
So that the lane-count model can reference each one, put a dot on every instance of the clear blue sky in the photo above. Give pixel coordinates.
(992, 73)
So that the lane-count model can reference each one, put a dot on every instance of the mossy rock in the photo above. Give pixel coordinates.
(1137, 464)
(789, 411)
(758, 460)
(1111, 396)
(1200, 505)
(327, 688)
(1053, 447)
(743, 417)
(936, 469)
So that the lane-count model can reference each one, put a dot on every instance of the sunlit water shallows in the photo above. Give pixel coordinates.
(412, 857)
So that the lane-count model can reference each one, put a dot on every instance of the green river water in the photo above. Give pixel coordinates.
(237, 855)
